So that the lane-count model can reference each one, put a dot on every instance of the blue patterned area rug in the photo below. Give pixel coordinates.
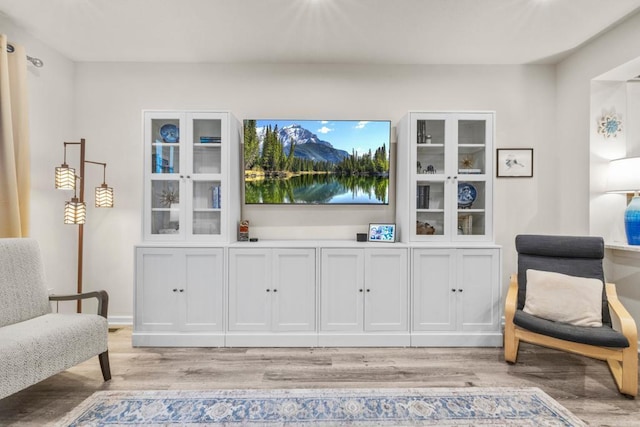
(321, 407)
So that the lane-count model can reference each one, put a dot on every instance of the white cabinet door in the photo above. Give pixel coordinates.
(202, 305)
(434, 290)
(250, 289)
(157, 286)
(456, 290)
(164, 162)
(272, 290)
(478, 289)
(386, 303)
(179, 289)
(294, 290)
(341, 290)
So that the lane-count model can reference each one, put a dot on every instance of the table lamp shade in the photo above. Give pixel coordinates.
(624, 177)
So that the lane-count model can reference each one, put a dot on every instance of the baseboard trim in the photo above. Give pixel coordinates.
(120, 320)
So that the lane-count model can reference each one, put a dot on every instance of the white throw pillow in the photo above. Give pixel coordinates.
(563, 298)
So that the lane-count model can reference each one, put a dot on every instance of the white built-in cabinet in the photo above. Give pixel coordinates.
(179, 296)
(364, 296)
(196, 286)
(190, 192)
(272, 296)
(456, 297)
(445, 177)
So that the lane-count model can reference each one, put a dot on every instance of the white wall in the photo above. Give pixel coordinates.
(575, 130)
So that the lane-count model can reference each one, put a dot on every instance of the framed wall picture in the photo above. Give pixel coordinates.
(514, 163)
(382, 233)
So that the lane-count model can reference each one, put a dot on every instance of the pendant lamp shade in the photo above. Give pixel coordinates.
(65, 177)
(104, 196)
(75, 212)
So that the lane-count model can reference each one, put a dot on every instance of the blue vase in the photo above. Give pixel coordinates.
(632, 221)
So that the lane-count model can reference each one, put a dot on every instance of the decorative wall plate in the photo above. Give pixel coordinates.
(609, 125)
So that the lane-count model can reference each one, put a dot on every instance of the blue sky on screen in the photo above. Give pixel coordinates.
(343, 134)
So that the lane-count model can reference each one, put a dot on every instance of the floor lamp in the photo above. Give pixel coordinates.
(75, 210)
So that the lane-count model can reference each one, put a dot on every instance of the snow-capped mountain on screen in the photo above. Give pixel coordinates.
(307, 144)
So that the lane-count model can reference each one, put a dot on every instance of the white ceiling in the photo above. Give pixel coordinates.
(317, 31)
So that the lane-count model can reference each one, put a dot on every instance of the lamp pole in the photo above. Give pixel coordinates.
(81, 226)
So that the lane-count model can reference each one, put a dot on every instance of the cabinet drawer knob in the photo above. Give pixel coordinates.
(275, 290)
(368, 290)
(175, 290)
(268, 290)
(453, 290)
(460, 290)
(181, 290)
(360, 290)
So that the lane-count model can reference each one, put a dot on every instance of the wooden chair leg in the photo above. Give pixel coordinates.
(629, 372)
(511, 344)
(104, 365)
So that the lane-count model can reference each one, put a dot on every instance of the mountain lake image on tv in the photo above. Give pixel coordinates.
(316, 162)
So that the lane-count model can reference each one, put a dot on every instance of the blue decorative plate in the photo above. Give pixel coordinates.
(467, 194)
(170, 133)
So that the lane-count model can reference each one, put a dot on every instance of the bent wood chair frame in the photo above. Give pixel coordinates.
(623, 362)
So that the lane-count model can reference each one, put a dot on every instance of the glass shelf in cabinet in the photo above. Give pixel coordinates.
(431, 147)
(207, 146)
(165, 144)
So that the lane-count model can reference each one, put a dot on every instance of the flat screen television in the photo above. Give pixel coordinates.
(332, 162)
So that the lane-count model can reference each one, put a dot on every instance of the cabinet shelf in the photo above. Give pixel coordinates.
(208, 210)
(430, 210)
(420, 146)
(165, 144)
(468, 211)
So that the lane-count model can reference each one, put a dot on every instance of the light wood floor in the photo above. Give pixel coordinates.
(582, 385)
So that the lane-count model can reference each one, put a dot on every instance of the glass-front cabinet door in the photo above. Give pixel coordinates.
(451, 180)
(431, 157)
(205, 182)
(185, 175)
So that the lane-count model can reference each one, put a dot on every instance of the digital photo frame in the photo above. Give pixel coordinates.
(382, 233)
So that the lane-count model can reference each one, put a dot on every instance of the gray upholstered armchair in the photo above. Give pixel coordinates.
(34, 342)
(574, 265)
